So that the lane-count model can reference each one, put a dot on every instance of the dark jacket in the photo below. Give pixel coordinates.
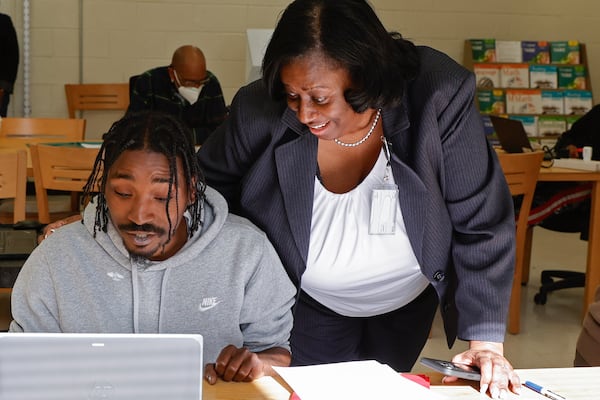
(584, 132)
(454, 200)
(153, 90)
(9, 53)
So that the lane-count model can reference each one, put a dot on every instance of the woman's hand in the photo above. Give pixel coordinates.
(242, 365)
(497, 374)
(53, 226)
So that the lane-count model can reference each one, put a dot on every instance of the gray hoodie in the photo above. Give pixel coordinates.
(226, 283)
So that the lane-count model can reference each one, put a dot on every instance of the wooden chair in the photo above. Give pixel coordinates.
(96, 96)
(59, 168)
(13, 181)
(521, 172)
(36, 130)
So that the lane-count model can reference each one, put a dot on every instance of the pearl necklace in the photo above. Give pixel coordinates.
(361, 141)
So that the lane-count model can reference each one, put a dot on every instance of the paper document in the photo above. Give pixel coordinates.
(356, 380)
(575, 163)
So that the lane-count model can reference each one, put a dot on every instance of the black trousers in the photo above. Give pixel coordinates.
(321, 335)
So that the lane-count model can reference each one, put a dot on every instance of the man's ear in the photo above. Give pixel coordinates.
(171, 74)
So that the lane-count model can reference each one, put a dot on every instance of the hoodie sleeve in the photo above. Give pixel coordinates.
(266, 317)
(33, 302)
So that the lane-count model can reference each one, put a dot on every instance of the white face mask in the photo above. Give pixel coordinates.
(190, 93)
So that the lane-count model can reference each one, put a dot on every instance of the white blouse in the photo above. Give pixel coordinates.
(350, 271)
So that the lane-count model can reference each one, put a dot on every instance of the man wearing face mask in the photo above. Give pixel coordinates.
(185, 89)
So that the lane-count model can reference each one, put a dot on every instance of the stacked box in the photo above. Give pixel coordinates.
(487, 76)
(551, 125)
(535, 52)
(508, 51)
(529, 123)
(577, 102)
(564, 52)
(514, 75)
(571, 77)
(552, 102)
(543, 76)
(524, 101)
(484, 50)
(491, 101)
(489, 131)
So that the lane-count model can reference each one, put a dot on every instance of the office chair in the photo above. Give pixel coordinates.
(570, 213)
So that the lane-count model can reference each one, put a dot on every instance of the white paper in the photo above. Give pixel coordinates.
(356, 380)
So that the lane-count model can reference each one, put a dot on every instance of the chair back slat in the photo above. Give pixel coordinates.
(96, 96)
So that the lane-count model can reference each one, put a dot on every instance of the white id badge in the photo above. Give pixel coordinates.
(384, 200)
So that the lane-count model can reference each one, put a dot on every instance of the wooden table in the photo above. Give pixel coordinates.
(592, 275)
(572, 383)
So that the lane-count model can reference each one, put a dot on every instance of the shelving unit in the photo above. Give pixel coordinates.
(546, 96)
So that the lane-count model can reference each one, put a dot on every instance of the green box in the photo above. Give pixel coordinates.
(484, 50)
(491, 101)
(564, 52)
(571, 77)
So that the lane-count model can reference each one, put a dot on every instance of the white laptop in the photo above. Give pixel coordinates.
(71, 366)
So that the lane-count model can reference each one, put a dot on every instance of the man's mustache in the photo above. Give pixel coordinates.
(142, 228)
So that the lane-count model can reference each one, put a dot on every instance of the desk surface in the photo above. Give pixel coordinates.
(572, 383)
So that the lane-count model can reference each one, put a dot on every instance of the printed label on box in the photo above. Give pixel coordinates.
(529, 123)
(491, 101)
(525, 101)
(564, 52)
(508, 51)
(535, 52)
(484, 50)
(551, 125)
(552, 102)
(514, 75)
(543, 76)
(487, 76)
(577, 102)
(571, 77)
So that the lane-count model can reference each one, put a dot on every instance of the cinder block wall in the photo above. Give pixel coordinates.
(120, 38)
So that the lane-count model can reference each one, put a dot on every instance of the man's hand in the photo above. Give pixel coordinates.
(242, 365)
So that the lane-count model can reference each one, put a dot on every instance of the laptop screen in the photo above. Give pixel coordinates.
(511, 135)
(74, 366)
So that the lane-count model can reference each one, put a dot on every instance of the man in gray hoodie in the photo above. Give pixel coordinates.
(157, 252)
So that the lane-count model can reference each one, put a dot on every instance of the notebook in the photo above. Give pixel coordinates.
(72, 366)
(511, 135)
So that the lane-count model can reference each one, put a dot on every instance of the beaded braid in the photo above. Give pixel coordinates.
(157, 132)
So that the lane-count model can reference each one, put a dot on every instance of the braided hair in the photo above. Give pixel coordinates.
(157, 132)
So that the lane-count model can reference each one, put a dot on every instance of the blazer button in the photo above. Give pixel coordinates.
(439, 276)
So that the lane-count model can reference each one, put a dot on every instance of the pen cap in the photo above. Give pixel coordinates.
(533, 386)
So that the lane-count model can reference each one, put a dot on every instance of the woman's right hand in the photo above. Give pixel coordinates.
(53, 226)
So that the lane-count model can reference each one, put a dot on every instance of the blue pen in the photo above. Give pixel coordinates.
(542, 390)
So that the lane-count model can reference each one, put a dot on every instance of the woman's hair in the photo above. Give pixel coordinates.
(156, 132)
(349, 33)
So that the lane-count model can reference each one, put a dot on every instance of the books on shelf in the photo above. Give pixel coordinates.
(564, 52)
(553, 102)
(523, 101)
(571, 77)
(535, 52)
(577, 102)
(543, 76)
(514, 76)
(487, 76)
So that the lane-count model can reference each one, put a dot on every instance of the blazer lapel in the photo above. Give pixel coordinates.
(296, 163)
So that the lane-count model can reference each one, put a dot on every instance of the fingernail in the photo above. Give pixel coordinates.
(494, 392)
(483, 388)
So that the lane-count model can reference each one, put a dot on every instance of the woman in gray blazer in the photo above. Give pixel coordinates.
(364, 159)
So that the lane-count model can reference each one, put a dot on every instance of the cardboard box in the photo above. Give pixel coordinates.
(577, 102)
(487, 76)
(572, 77)
(491, 101)
(524, 101)
(535, 52)
(552, 102)
(551, 125)
(543, 76)
(529, 123)
(484, 50)
(514, 75)
(509, 51)
(564, 52)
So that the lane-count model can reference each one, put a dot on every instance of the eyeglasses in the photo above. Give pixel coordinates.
(190, 82)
